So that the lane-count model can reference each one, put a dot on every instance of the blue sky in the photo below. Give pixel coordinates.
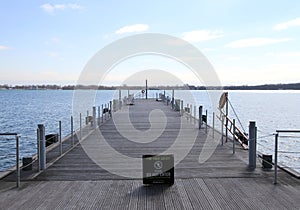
(247, 42)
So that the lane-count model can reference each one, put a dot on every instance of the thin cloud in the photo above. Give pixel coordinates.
(133, 28)
(51, 8)
(202, 35)
(285, 54)
(255, 42)
(288, 24)
(53, 54)
(4, 47)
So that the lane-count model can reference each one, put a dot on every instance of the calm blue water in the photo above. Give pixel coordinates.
(21, 111)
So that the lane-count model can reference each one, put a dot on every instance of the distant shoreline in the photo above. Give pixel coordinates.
(290, 86)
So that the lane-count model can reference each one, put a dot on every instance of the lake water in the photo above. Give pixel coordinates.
(21, 111)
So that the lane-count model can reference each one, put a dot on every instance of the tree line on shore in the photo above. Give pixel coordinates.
(290, 86)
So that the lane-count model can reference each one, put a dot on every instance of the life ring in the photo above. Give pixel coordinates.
(143, 91)
(223, 100)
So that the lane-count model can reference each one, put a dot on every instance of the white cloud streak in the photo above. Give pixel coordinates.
(202, 35)
(133, 28)
(255, 42)
(285, 54)
(51, 8)
(4, 47)
(288, 24)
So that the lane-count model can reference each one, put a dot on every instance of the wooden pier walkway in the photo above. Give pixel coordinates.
(224, 181)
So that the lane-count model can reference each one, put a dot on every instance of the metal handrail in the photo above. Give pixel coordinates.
(276, 150)
(235, 127)
(17, 155)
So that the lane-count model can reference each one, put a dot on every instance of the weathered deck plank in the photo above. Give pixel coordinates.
(222, 182)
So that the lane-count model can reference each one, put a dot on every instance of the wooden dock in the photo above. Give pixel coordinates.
(224, 181)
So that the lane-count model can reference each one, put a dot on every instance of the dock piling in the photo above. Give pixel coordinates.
(252, 145)
(200, 116)
(42, 146)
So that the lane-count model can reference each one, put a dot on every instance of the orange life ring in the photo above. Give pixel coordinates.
(223, 100)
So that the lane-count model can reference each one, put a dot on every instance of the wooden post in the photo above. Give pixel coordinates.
(233, 139)
(200, 116)
(42, 151)
(252, 145)
(60, 143)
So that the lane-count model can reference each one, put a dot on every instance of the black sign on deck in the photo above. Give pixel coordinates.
(158, 169)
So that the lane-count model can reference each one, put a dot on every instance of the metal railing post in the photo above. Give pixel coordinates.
(72, 131)
(276, 156)
(60, 142)
(213, 125)
(98, 120)
(94, 117)
(102, 113)
(233, 139)
(17, 160)
(191, 112)
(110, 109)
(38, 149)
(222, 130)
(195, 114)
(206, 124)
(80, 126)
